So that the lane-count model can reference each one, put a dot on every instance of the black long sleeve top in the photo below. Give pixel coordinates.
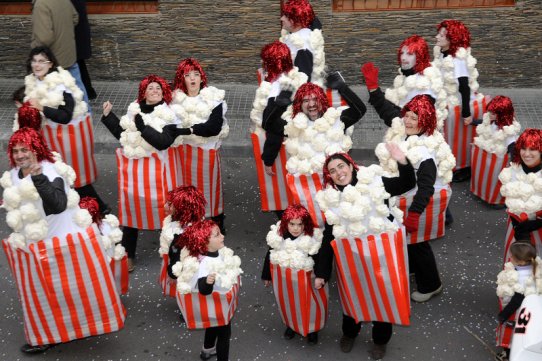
(64, 113)
(53, 196)
(395, 186)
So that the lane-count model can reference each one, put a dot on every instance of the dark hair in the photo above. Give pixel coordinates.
(46, 52)
(18, 95)
(342, 156)
(524, 251)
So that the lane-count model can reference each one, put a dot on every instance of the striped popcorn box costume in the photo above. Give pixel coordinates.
(75, 143)
(302, 307)
(335, 99)
(536, 236)
(66, 288)
(274, 194)
(168, 285)
(142, 190)
(216, 309)
(173, 171)
(119, 269)
(486, 167)
(373, 277)
(431, 225)
(505, 330)
(303, 189)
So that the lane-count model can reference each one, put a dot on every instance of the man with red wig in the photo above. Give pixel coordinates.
(52, 234)
(301, 31)
(452, 55)
(143, 176)
(416, 76)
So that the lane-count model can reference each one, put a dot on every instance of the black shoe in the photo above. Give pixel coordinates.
(378, 352)
(289, 333)
(26, 348)
(346, 344)
(497, 206)
(448, 217)
(91, 94)
(312, 338)
(207, 354)
(461, 175)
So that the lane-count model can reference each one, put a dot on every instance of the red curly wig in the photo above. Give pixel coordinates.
(310, 89)
(530, 138)
(188, 205)
(166, 90)
(418, 46)
(91, 205)
(186, 66)
(425, 110)
(503, 109)
(296, 211)
(34, 141)
(29, 117)
(458, 34)
(342, 156)
(276, 60)
(299, 12)
(196, 237)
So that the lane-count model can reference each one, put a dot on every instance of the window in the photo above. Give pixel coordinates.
(379, 5)
(24, 7)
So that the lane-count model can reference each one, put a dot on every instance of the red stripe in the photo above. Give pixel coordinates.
(290, 179)
(476, 171)
(90, 132)
(86, 156)
(281, 297)
(147, 197)
(395, 278)
(220, 319)
(305, 301)
(402, 264)
(283, 172)
(429, 218)
(136, 196)
(204, 311)
(219, 205)
(260, 171)
(348, 303)
(304, 183)
(490, 175)
(442, 211)
(317, 297)
(189, 310)
(379, 275)
(160, 192)
(25, 298)
(495, 197)
(483, 169)
(291, 298)
(357, 280)
(476, 107)
(456, 124)
(188, 166)
(464, 140)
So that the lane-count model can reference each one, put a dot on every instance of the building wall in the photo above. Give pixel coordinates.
(226, 36)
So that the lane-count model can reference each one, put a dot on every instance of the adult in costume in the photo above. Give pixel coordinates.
(143, 169)
(452, 56)
(360, 230)
(492, 149)
(273, 96)
(522, 185)
(60, 268)
(414, 128)
(68, 128)
(208, 280)
(293, 243)
(186, 206)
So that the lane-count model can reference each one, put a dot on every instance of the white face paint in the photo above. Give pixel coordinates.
(408, 60)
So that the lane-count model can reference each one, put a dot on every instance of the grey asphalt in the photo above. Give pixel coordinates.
(455, 325)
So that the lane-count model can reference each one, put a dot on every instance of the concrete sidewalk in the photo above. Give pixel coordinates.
(367, 134)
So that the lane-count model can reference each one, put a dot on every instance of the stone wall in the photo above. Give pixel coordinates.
(227, 36)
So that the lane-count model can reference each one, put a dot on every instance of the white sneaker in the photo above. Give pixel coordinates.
(424, 297)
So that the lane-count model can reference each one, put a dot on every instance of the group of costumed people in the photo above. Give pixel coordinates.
(70, 259)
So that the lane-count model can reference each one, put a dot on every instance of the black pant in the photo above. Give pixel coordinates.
(219, 336)
(85, 78)
(421, 261)
(129, 240)
(89, 191)
(381, 332)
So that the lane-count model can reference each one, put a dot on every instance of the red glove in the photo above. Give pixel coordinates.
(370, 73)
(411, 222)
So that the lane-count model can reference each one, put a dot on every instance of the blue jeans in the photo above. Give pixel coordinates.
(74, 71)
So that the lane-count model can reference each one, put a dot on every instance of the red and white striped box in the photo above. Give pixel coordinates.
(484, 181)
(75, 143)
(273, 189)
(335, 99)
(432, 219)
(505, 331)
(66, 289)
(119, 269)
(536, 236)
(372, 275)
(142, 191)
(460, 136)
(303, 189)
(168, 285)
(213, 310)
(173, 170)
(201, 169)
(302, 307)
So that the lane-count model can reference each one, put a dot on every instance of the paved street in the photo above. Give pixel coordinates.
(452, 326)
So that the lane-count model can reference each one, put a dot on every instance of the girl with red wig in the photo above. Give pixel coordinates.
(208, 269)
(416, 76)
(414, 127)
(295, 225)
(521, 187)
(452, 56)
(301, 31)
(142, 161)
(67, 125)
(340, 172)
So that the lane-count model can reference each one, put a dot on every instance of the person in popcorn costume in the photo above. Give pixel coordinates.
(68, 126)
(138, 207)
(43, 211)
(522, 276)
(295, 224)
(418, 118)
(212, 269)
(339, 171)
